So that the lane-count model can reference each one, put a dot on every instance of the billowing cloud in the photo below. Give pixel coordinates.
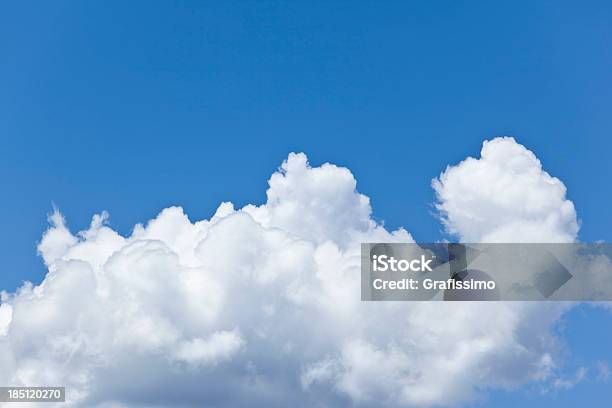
(260, 306)
(504, 196)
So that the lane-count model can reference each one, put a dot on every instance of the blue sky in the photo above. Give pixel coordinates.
(132, 108)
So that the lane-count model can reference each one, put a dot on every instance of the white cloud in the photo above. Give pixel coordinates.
(6, 315)
(261, 306)
(220, 346)
(57, 239)
(504, 196)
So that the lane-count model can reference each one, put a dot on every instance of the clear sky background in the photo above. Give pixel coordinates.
(132, 108)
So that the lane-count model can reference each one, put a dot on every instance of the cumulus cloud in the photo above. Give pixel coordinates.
(504, 196)
(261, 305)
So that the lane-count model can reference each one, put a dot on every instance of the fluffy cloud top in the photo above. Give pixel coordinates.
(505, 196)
(261, 306)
